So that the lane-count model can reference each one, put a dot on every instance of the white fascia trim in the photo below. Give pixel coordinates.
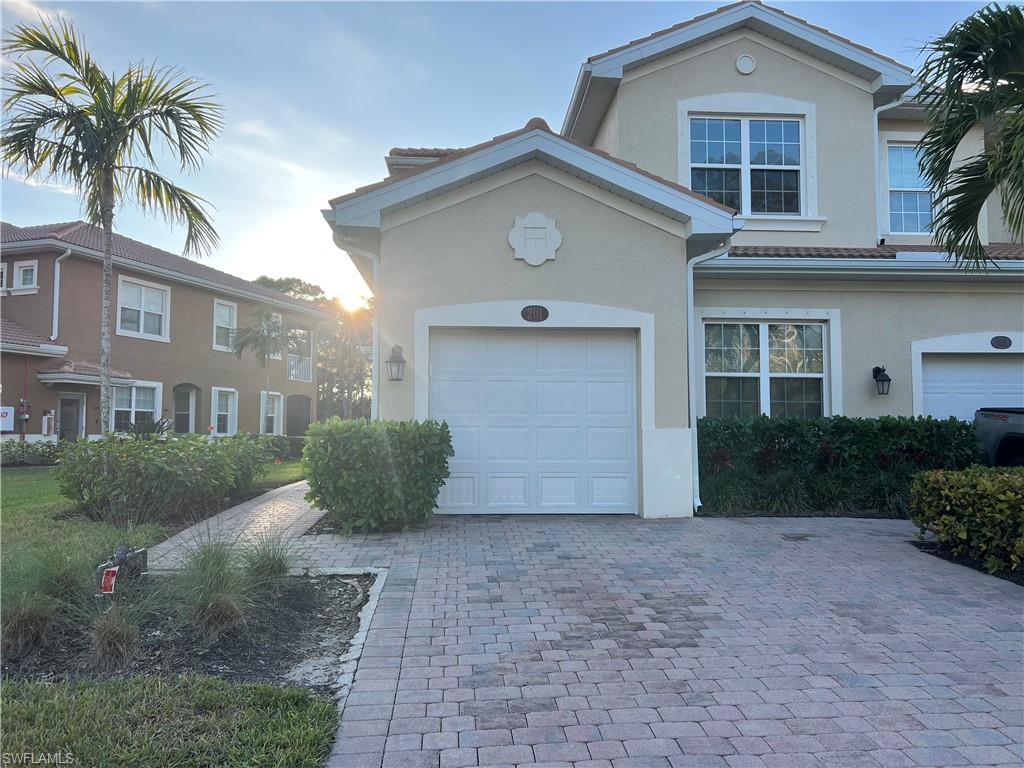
(43, 350)
(232, 414)
(164, 337)
(757, 106)
(506, 314)
(958, 343)
(365, 209)
(830, 317)
(613, 64)
(764, 266)
(167, 274)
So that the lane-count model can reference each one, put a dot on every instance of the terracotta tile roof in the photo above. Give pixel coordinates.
(1007, 251)
(88, 236)
(723, 9)
(534, 123)
(12, 333)
(81, 368)
(422, 151)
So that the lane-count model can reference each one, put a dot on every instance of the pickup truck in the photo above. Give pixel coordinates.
(1001, 435)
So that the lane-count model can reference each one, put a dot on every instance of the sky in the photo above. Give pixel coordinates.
(316, 93)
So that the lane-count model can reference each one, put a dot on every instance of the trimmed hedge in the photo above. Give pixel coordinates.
(832, 466)
(127, 480)
(376, 475)
(16, 453)
(977, 513)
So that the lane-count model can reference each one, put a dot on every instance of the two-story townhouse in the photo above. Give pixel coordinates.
(731, 221)
(172, 324)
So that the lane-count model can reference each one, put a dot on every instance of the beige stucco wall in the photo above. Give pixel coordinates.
(648, 125)
(613, 253)
(879, 321)
(189, 357)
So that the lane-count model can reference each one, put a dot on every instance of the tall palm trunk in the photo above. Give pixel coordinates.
(107, 215)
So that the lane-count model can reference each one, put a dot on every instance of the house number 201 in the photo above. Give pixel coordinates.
(534, 313)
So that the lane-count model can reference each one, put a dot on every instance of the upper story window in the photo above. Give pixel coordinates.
(143, 309)
(300, 358)
(3, 275)
(225, 314)
(910, 200)
(26, 274)
(751, 164)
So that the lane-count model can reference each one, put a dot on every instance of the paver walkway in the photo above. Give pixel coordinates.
(608, 642)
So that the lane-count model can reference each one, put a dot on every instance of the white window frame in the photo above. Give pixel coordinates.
(233, 328)
(3, 275)
(17, 287)
(312, 357)
(279, 319)
(898, 139)
(832, 370)
(278, 413)
(760, 106)
(232, 414)
(165, 336)
(158, 399)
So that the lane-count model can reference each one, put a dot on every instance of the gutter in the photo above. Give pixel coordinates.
(55, 311)
(691, 364)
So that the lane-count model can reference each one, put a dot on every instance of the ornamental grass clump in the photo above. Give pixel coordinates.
(114, 637)
(267, 559)
(215, 590)
(24, 621)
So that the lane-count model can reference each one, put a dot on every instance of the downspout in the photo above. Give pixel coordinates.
(691, 363)
(56, 294)
(876, 114)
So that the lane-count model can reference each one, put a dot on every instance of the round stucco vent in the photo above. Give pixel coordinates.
(746, 64)
(1001, 342)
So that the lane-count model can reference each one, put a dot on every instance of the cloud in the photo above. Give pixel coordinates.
(26, 10)
(40, 182)
(256, 128)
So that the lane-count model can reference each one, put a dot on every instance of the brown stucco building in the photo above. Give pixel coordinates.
(172, 321)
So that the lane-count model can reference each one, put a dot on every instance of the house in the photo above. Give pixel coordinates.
(730, 221)
(172, 321)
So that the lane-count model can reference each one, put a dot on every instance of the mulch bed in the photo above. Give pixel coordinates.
(934, 548)
(312, 618)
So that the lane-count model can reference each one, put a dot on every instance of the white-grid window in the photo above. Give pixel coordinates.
(225, 315)
(223, 411)
(135, 405)
(26, 274)
(754, 165)
(910, 200)
(143, 310)
(300, 359)
(771, 368)
(271, 413)
(3, 275)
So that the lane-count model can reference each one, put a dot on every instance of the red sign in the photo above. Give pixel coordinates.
(108, 579)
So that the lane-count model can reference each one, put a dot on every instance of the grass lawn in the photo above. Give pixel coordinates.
(141, 721)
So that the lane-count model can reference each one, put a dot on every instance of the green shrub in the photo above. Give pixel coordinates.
(285, 447)
(834, 465)
(976, 513)
(125, 480)
(376, 475)
(16, 453)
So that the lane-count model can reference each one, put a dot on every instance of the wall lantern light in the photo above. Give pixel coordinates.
(882, 380)
(395, 364)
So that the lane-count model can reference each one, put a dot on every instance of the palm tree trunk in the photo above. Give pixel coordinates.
(107, 214)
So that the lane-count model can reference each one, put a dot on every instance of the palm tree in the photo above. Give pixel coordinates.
(68, 119)
(975, 74)
(266, 337)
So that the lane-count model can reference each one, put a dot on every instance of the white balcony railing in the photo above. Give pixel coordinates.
(300, 368)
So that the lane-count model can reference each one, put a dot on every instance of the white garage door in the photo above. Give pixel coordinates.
(957, 385)
(542, 421)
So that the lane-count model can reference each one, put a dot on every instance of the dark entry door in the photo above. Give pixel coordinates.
(70, 417)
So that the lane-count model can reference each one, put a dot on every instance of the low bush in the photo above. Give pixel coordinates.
(833, 466)
(114, 636)
(976, 513)
(214, 589)
(125, 480)
(24, 621)
(376, 475)
(285, 447)
(267, 559)
(17, 453)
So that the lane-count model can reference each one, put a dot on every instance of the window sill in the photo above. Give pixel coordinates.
(222, 349)
(143, 336)
(26, 291)
(782, 223)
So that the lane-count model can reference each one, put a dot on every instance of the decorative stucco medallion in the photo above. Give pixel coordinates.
(535, 238)
(746, 64)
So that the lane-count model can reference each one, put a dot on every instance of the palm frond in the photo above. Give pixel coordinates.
(158, 195)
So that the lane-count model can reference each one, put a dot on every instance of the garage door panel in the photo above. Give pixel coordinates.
(546, 423)
(958, 384)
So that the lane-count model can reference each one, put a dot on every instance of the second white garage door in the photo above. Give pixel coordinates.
(957, 385)
(542, 421)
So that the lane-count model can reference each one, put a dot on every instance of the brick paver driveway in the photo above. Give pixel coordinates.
(620, 643)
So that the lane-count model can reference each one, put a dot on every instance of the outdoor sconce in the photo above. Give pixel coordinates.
(395, 364)
(882, 380)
